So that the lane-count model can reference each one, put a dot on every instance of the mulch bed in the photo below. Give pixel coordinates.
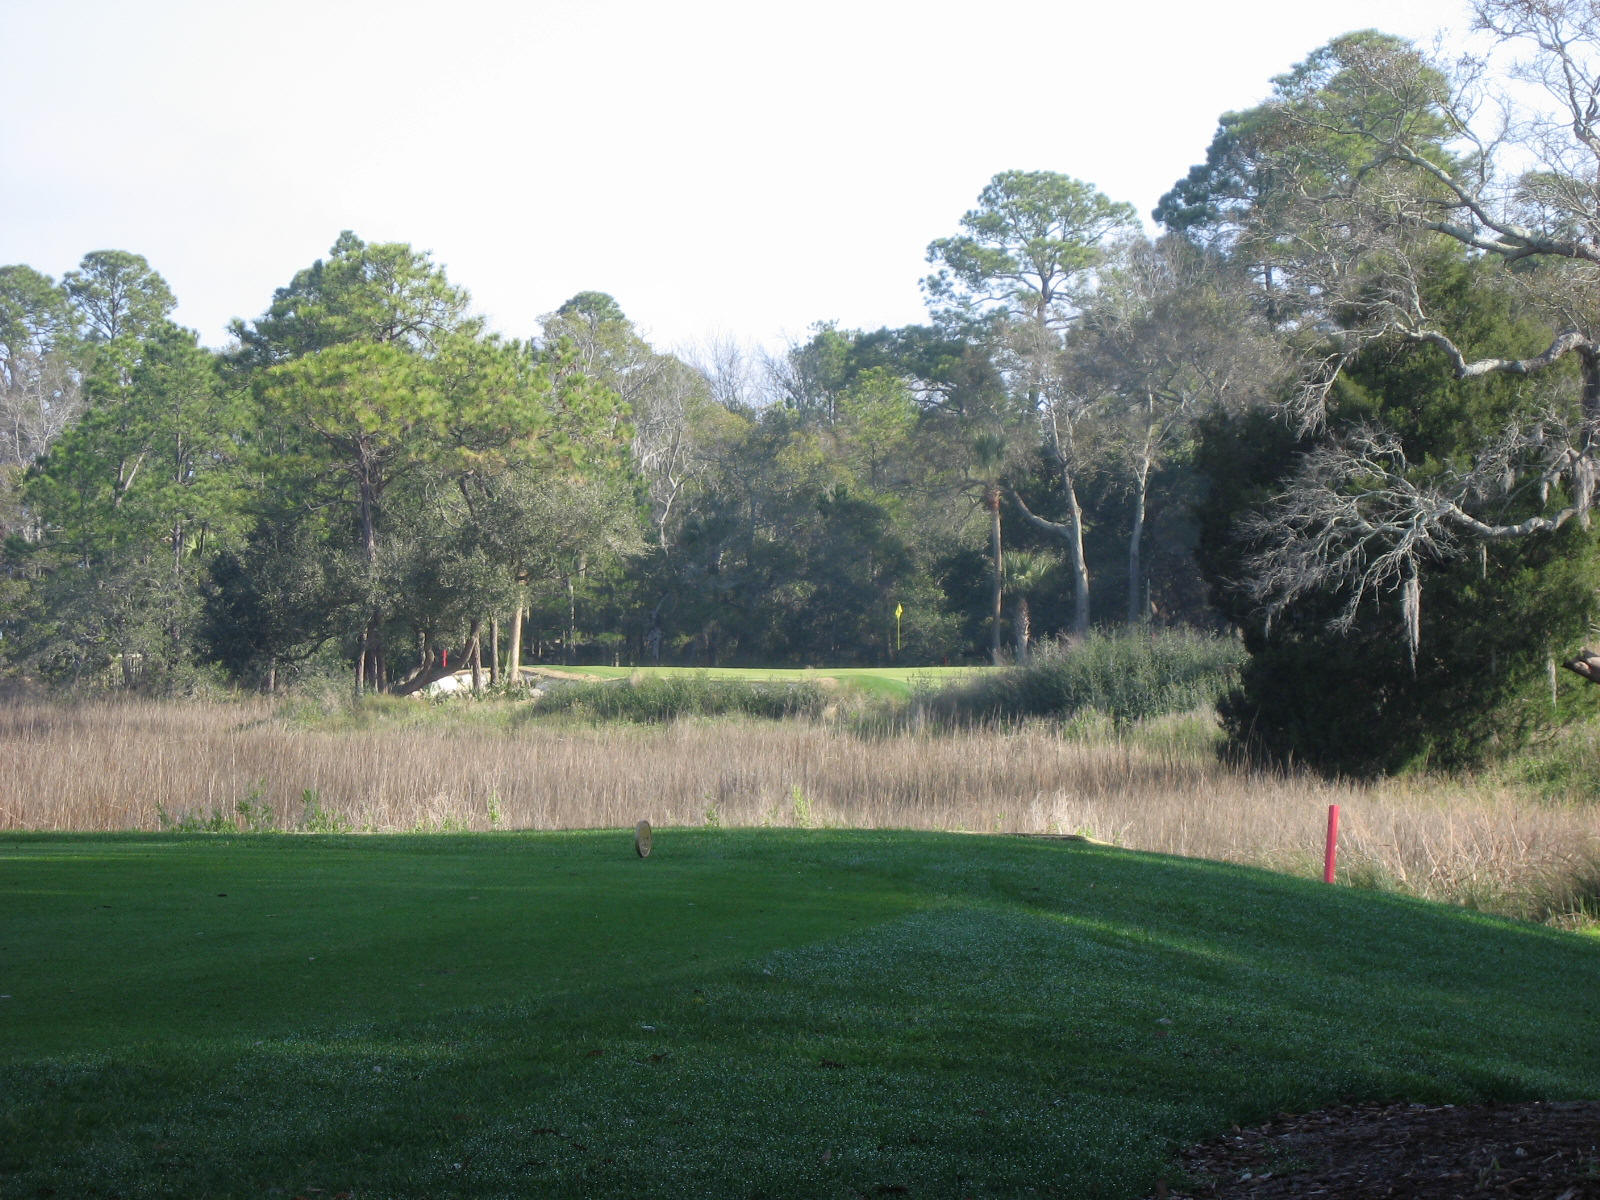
(1543, 1150)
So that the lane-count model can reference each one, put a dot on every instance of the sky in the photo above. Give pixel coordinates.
(725, 170)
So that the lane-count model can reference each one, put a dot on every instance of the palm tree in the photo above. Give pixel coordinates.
(1025, 570)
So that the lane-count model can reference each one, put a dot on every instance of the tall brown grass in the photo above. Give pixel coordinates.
(142, 766)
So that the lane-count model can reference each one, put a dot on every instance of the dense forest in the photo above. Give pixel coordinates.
(1345, 404)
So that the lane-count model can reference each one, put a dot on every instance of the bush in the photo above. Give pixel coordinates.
(1126, 676)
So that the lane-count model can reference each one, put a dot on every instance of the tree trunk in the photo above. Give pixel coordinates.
(369, 666)
(1024, 630)
(494, 652)
(1138, 606)
(1079, 565)
(371, 653)
(997, 591)
(364, 660)
(653, 638)
(572, 622)
(174, 625)
(475, 652)
(514, 657)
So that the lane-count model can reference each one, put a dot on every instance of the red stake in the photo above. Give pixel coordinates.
(1332, 852)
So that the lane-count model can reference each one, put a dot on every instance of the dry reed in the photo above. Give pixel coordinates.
(142, 766)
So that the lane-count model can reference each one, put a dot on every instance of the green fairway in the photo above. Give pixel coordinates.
(892, 681)
(745, 1013)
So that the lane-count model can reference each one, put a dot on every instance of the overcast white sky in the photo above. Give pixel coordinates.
(737, 169)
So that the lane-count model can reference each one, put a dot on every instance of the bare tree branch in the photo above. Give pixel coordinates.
(1354, 520)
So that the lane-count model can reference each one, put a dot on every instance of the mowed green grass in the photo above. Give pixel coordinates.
(773, 1013)
(897, 682)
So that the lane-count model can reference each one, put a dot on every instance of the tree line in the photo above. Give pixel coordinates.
(1346, 403)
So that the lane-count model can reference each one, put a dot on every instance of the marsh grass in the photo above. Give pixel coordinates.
(392, 766)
